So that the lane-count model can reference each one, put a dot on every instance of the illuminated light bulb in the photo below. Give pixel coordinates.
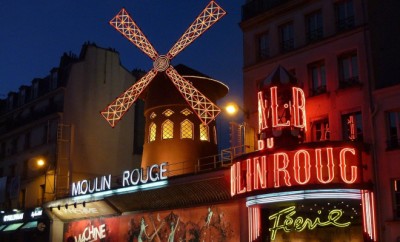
(40, 162)
(231, 109)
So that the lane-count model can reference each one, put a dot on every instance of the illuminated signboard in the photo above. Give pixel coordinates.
(129, 178)
(281, 110)
(91, 209)
(310, 165)
(13, 217)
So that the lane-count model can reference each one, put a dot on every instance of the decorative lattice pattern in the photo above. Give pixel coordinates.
(168, 129)
(153, 115)
(209, 16)
(168, 112)
(152, 132)
(186, 112)
(201, 105)
(204, 132)
(114, 112)
(128, 28)
(186, 129)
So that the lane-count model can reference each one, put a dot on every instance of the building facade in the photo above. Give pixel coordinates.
(338, 52)
(46, 132)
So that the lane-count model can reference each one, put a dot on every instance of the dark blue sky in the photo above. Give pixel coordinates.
(34, 35)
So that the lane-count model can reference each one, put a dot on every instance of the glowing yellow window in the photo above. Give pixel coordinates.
(186, 129)
(204, 132)
(186, 112)
(152, 132)
(168, 129)
(168, 112)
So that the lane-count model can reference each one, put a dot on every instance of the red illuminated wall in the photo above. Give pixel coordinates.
(213, 223)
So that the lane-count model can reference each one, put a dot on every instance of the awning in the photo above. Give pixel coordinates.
(30, 225)
(12, 227)
(209, 190)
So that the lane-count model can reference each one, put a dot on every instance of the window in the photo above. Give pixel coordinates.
(152, 132)
(168, 112)
(186, 129)
(348, 70)
(393, 119)
(317, 78)
(204, 132)
(262, 46)
(168, 129)
(320, 130)
(314, 27)
(286, 37)
(344, 12)
(352, 126)
(396, 198)
(186, 112)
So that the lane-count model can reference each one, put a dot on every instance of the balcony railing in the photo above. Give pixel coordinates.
(350, 82)
(256, 7)
(314, 35)
(345, 24)
(287, 45)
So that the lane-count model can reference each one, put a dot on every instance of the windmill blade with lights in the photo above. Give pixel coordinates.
(205, 109)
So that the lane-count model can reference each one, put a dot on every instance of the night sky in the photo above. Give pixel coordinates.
(35, 34)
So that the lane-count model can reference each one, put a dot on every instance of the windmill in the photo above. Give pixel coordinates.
(205, 109)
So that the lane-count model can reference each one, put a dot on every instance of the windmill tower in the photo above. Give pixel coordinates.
(180, 109)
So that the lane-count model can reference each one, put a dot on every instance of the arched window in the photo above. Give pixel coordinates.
(186, 129)
(168, 129)
(152, 132)
(204, 136)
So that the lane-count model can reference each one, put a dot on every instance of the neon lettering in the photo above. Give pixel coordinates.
(274, 110)
(282, 168)
(319, 166)
(283, 220)
(260, 172)
(249, 174)
(343, 166)
(297, 167)
(240, 187)
(262, 112)
(299, 108)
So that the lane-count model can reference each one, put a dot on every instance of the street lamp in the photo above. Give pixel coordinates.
(40, 162)
(241, 134)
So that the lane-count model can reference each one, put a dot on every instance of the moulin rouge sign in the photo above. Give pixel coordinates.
(129, 178)
(282, 120)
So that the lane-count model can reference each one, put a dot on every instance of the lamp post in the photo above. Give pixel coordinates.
(241, 134)
(43, 165)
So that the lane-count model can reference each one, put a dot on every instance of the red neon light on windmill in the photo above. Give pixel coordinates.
(201, 105)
